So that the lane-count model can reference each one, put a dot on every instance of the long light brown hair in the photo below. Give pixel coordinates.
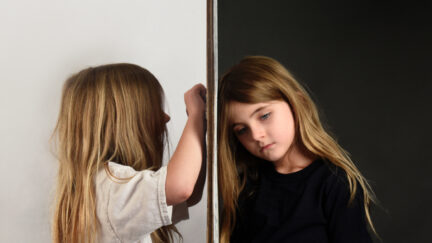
(259, 79)
(115, 113)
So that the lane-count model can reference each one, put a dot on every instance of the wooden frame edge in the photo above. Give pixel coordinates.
(212, 77)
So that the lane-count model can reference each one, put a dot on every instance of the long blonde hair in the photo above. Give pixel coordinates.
(261, 79)
(108, 113)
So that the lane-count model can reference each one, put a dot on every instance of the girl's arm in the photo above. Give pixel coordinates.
(346, 223)
(185, 164)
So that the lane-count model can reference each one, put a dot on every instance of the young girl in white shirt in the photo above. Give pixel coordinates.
(110, 138)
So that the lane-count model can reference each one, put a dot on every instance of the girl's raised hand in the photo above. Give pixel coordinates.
(195, 100)
(185, 164)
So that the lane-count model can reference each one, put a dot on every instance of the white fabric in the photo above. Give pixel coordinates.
(130, 209)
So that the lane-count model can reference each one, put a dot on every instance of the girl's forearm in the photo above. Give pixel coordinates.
(185, 164)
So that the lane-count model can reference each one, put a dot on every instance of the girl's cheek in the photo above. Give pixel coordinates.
(245, 145)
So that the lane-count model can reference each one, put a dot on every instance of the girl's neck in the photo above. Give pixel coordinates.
(295, 159)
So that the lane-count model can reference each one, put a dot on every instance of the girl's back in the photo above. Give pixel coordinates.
(111, 135)
(130, 203)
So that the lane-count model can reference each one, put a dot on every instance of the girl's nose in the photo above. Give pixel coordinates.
(166, 118)
(257, 133)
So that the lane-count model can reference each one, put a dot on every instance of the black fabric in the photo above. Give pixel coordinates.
(307, 206)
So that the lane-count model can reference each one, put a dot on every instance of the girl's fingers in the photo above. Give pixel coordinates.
(195, 99)
(198, 89)
(202, 91)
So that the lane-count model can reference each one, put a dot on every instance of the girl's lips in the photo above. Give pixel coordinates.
(266, 146)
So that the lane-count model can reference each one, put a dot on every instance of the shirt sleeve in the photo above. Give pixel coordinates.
(137, 206)
(346, 223)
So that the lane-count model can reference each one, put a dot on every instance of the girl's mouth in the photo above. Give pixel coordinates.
(266, 147)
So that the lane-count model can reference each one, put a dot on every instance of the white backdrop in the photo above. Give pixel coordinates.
(41, 44)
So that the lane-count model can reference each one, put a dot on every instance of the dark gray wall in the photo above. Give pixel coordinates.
(367, 65)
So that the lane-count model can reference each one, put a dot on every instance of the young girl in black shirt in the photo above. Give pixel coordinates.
(282, 177)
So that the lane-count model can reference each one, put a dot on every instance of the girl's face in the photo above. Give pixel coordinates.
(266, 129)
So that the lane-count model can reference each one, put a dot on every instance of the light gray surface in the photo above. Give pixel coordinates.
(41, 44)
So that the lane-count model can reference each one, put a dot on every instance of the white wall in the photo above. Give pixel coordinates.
(41, 44)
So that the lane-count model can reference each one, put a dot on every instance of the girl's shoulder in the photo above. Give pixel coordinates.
(334, 172)
(124, 194)
(119, 171)
(334, 175)
(120, 174)
(336, 183)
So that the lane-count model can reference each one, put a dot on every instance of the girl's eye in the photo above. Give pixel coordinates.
(265, 116)
(241, 131)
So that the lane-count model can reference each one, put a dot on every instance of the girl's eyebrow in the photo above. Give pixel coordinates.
(258, 109)
(255, 111)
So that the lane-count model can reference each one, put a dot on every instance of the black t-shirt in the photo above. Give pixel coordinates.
(307, 206)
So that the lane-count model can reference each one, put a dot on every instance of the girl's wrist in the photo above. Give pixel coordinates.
(196, 115)
(196, 120)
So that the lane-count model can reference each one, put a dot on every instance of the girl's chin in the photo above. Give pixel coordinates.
(272, 159)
